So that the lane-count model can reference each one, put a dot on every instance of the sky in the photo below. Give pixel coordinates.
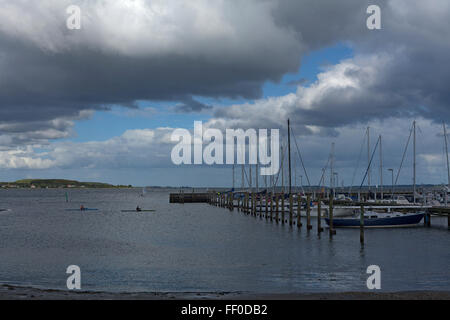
(100, 103)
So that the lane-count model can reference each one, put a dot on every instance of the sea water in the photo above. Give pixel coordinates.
(201, 248)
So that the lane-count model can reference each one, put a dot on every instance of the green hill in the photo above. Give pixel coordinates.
(57, 183)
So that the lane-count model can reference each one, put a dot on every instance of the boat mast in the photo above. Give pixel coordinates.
(282, 170)
(233, 177)
(289, 154)
(381, 169)
(414, 165)
(332, 171)
(368, 160)
(448, 165)
(243, 177)
(257, 177)
(250, 176)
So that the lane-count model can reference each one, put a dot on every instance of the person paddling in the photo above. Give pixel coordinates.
(82, 208)
(138, 209)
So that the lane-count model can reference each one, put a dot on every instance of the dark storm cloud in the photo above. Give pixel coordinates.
(319, 23)
(49, 72)
(224, 49)
(190, 105)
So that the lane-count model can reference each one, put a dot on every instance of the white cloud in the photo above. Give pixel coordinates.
(140, 27)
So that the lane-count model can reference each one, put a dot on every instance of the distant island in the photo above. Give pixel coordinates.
(57, 183)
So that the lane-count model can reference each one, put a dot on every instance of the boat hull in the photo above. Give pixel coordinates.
(391, 222)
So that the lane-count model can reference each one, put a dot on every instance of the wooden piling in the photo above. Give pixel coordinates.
(277, 211)
(332, 231)
(267, 204)
(232, 202)
(361, 225)
(427, 219)
(259, 207)
(271, 207)
(319, 215)
(253, 204)
(308, 212)
(246, 203)
(291, 204)
(448, 221)
(299, 212)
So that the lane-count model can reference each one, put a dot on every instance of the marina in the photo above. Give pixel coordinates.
(198, 247)
(284, 203)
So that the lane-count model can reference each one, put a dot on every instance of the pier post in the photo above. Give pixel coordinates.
(319, 215)
(332, 231)
(299, 212)
(427, 219)
(291, 204)
(267, 204)
(361, 225)
(308, 212)
(259, 205)
(246, 203)
(271, 206)
(253, 204)
(232, 201)
(277, 212)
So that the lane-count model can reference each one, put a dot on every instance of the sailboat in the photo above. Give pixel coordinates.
(379, 220)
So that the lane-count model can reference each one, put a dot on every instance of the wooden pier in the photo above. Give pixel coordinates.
(183, 197)
(276, 206)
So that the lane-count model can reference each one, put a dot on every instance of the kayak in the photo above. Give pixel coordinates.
(138, 210)
(85, 209)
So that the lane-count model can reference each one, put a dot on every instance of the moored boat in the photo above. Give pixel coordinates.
(379, 220)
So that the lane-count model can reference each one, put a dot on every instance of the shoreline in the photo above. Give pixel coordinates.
(9, 292)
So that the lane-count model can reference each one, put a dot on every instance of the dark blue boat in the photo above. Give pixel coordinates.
(379, 220)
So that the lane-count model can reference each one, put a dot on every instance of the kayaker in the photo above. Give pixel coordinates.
(82, 208)
(138, 209)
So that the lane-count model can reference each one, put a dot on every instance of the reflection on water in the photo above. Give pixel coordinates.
(197, 247)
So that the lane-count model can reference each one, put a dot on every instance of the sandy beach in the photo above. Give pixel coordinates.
(8, 292)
